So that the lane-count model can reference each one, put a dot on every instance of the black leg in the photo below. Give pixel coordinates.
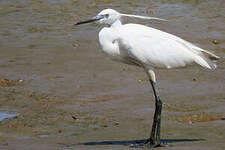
(154, 140)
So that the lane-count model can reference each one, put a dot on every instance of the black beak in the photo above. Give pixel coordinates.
(95, 18)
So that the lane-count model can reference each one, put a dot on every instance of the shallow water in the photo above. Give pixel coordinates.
(71, 93)
(4, 115)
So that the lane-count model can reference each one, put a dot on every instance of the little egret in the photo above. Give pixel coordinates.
(148, 48)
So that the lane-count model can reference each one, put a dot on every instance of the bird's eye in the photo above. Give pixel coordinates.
(106, 15)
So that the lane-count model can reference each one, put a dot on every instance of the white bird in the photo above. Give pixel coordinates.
(148, 48)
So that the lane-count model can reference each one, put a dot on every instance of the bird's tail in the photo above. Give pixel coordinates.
(202, 57)
(206, 59)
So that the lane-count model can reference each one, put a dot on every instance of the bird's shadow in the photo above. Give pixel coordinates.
(164, 141)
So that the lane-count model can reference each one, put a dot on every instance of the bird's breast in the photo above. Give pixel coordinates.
(108, 39)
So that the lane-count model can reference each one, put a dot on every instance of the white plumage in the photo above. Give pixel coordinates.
(132, 43)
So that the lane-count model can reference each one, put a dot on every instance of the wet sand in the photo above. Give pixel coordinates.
(70, 96)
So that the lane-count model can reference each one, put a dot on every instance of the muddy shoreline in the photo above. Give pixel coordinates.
(66, 92)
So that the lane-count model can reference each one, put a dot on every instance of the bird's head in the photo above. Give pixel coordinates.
(106, 16)
(109, 16)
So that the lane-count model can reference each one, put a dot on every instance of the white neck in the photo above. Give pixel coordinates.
(117, 23)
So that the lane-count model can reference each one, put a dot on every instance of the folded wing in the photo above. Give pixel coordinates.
(160, 49)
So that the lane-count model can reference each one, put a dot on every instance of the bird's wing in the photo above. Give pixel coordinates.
(160, 49)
